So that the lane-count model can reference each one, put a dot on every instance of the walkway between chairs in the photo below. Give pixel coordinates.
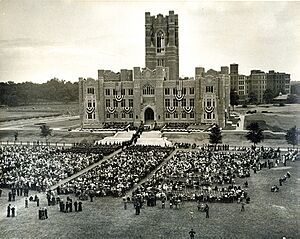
(85, 170)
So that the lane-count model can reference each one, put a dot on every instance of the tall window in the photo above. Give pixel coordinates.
(130, 102)
(167, 102)
(107, 102)
(210, 89)
(107, 91)
(160, 42)
(192, 91)
(167, 91)
(148, 90)
(89, 103)
(175, 103)
(183, 102)
(91, 90)
(123, 103)
(130, 91)
(208, 103)
(192, 102)
(115, 103)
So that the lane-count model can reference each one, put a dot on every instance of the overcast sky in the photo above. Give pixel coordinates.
(68, 39)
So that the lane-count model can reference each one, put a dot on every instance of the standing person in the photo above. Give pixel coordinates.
(137, 209)
(37, 201)
(46, 212)
(71, 205)
(26, 202)
(243, 207)
(9, 196)
(79, 206)
(8, 210)
(75, 205)
(61, 203)
(63, 206)
(13, 211)
(192, 234)
(207, 210)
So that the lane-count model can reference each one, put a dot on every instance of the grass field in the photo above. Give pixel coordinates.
(274, 118)
(269, 215)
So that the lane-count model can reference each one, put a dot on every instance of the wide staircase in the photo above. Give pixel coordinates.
(153, 138)
(119, 137)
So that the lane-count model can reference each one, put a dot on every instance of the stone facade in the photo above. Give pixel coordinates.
(155, 95)
(257, 82)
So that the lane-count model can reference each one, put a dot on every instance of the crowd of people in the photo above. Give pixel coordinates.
(37, 168)
(206, 176)
(102, 149)
(119, 174)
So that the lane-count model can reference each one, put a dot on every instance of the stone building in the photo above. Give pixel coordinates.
(278, 82)
(257, 83)
(156, 95)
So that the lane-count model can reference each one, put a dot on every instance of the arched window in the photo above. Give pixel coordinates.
(148, 90)
(160, 42)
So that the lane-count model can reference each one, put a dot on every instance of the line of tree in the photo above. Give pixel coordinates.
(13, 94)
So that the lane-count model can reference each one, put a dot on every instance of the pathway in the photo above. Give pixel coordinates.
(85, 170)
(129, 193)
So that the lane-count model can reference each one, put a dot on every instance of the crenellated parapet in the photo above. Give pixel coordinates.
(108, 75)
(146, 73)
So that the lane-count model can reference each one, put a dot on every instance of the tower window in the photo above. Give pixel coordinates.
(91, 90)
(160, 42)
(210, 89)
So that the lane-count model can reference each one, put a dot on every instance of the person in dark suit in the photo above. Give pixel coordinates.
(192, 234)
(75, 206)
(80, 207)
(8, 210)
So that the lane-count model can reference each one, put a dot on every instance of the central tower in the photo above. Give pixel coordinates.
(161, 43)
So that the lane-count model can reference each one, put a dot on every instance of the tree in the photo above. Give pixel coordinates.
(234, 98)
(215, 135)
(292, 136)
(268, 96)
(45, 131)
(252, 97)
(255, 133)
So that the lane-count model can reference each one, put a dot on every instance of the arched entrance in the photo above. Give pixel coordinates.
(149, 116)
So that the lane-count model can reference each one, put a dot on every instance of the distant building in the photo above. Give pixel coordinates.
(257, 83)
(155, 95)
(278, 82)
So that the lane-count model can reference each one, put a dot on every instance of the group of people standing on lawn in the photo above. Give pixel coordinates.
(68, 206)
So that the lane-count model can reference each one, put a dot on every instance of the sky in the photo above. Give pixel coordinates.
(68, 39)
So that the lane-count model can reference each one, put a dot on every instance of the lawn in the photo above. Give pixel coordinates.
(274, 118)
(269, 215)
